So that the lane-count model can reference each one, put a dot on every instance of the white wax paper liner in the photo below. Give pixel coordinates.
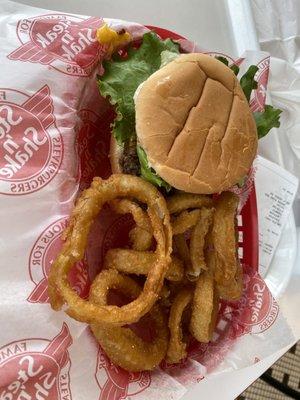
(54, 131)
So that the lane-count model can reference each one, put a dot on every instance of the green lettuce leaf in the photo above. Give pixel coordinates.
(242, 181)
(148, 173)
(266, 120)
(123, 76)
(223, 60)
(247, 81)
(167, 56)
(233, 67)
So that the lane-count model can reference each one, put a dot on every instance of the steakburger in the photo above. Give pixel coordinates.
(183, 120)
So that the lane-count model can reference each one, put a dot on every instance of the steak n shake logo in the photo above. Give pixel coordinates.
(31, 147)
(258, 100)
(41, 258)
(36, 368)
(66, 42)
(115, 383)
(259, 309)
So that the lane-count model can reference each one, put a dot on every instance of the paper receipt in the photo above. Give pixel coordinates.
(275, 191)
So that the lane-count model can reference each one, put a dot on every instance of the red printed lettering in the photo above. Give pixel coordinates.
(9, 121)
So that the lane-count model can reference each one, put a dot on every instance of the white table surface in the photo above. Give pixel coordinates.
(206, 22)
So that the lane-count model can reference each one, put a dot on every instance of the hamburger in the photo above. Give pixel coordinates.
(183, 121)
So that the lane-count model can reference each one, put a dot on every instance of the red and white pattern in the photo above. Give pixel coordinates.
(31, 147)
(42, 255)
(93, 142)
(245, 189)
(66, 42)
(115, 383)
(36, 368)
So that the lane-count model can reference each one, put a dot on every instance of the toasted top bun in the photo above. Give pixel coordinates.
(195, 124)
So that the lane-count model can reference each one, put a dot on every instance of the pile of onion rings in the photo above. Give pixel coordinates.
(181, 259)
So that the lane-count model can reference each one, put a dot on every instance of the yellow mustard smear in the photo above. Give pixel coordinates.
(114, 40)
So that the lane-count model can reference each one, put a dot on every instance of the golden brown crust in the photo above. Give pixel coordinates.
(195, 124)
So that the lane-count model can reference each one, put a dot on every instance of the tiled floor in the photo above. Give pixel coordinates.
(286, 371)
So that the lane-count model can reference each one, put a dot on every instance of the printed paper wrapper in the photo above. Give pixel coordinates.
(54, 135)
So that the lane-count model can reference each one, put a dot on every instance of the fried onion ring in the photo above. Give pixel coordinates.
(177, 347)
(184, 221)
(140, 262)
(164, 293)
(231, 290)
(141, 235)
(205, 307)
(121, 344)
(197, 243)
(184, 201)
(234, 289)
(87, 208)
(182, 249)
(224, 238)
